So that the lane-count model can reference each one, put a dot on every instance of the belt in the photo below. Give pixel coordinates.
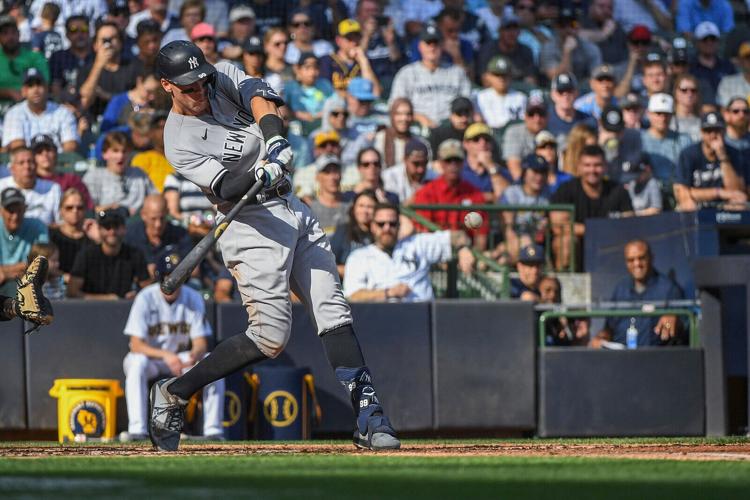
(281, 189)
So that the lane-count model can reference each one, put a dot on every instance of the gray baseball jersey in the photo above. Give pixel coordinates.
(269, 246)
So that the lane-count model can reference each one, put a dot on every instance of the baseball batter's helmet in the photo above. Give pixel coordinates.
(182, 63)
(166, 261)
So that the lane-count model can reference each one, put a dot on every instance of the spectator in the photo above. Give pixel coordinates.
(64, 65)
(168, 336)
(349, 61)
(710, 171)
(46, 40)
(652, 14)
(15, 61)
(449, 188)
(253, 60)
(370, 166)
(148, 42)
(662, 145)
(406, 178)
(302, 33)
(518, 140)
(472, 27)
(269, 14)
(678, 58)
(530, 272)
(192, 12)
(602, 29)
(153, 162)
(108, 75)
(461, 116)
(112, 269)
(737, 117)
(692, 13)
(639, 43)
(42, 196)
(534, 33)
(17, 234)
(242, 26)
(428, 86)
(69, 236)
(480, 169)
(499, 104)
(306, 95)
(155, 10)
(379, 42)
(581, 135)
(561, 331)
(525, 228)
(522, 60)
(645, 284)
(45, 159)
(644, 190)
(355, 232)
(36, 115)
(204, 36)
(391, 141)
(621, 145)
(456, 50)
(335, 119)
(363, 118)
(140, 97)
(592, 195)
(602, 83)
(632, 111)
(277, 71)
(118, 184)
(546, 147)
(707, 66)
(687, 106)
(567, 52)
(325, 142)
(329, 205)
(152, 234)
(738, 84)
(393, 269)
(54, 287)
(93, 9)
(563, 115)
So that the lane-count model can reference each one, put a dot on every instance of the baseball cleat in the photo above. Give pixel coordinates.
(380, 435)
(167, 416)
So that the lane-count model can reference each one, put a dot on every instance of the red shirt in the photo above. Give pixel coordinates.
(70, 180)
(438, 192)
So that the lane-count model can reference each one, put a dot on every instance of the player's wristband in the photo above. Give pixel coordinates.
(271, 125)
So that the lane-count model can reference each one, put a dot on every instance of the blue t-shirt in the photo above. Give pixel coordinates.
(561, 128)
(695, 170)
(111, 115)
(308, 99)
(560, 178)
(482, 182)
(658, 288)
(16, 247)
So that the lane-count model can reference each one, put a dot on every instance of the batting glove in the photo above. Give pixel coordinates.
(270, 174)
(279, 151)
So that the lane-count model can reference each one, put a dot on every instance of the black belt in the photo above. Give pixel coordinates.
(281, 189)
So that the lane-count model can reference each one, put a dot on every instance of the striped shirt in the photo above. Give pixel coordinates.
(56, 121)
(193, 201)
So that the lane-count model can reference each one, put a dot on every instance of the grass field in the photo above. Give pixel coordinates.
(528, 469)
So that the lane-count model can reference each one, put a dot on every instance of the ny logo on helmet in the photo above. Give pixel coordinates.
(193, 62)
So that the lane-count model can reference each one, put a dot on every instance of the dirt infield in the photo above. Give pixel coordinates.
(672, 451)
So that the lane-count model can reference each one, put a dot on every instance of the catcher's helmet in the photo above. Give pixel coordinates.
(166, 261)
(182, 63)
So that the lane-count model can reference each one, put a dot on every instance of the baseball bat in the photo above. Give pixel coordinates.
(185, 267)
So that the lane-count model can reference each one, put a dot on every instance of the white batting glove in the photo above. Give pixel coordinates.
(279, 151)
(270, 173)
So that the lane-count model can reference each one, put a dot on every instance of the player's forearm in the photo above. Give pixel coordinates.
(139, 346)
(262, 107)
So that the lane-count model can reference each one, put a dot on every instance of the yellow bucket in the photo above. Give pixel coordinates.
(86, 408)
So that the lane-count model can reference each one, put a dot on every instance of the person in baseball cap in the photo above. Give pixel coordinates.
(361, 89)
(633, 109)
(430, 34)
(708, 67)
(348, 27)
(712, 121)
(477, 130)
(530, 272)
(241, 13)
(12, 196)
(451, 150)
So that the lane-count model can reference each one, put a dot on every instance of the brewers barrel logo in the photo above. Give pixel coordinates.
(232, 408)
(280, 408)
(87, 417)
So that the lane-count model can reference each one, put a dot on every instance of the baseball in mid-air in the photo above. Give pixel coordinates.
(473, 220)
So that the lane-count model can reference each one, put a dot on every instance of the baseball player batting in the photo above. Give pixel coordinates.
(223, 133)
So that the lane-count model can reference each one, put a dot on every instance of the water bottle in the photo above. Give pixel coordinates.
(92, 157)
(631, 335)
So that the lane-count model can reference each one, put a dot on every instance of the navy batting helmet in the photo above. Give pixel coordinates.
(182, 63)
(166, 261)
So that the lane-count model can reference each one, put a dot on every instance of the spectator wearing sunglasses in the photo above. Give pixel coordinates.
(45, 158)
(518, 140)
(370, 168)
(737, 117)
(707, 66)
(70, 235)
(65, 64)
(568, 52)
(15, 60)
(302, 35)
(602, 93)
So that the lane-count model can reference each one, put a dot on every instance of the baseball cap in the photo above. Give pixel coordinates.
(349, 26)
(654, 57)
(611, 118)
(631, 170)
(450, 149)
(361, 89)
(202, 30)
(705, 30)
(661, 103)
(499, 65)
(415, 145)
(166, 262)
(509, 19)
(544, 137)
(253, 45)
(327, 160)
(11, 196)
(42, 141)
(462, 106)
(536, 103)
(477, 130)
(639, 33)
(531, 254)
(564, 82)
(7, 21)
(430, 33)
(744, 49)
(241, 12)
(33, 75)
(535, 163)
(603, 71)
(326, 136)
(111, 217)
(711, 120)
(630, 101)
(678, 56)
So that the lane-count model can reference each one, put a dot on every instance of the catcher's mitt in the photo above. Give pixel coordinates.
(31, 304)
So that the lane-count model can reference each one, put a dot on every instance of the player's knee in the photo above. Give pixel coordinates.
(271, 341)
(136, 364)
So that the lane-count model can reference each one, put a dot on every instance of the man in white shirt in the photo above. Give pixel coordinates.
(499, 104)
(405, 178)
(389, 269)
(36, 115)
(42, 196)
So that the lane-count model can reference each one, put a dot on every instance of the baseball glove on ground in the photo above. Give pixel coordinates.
(31, 304)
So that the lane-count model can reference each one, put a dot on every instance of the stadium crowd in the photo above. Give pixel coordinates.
(617, 107)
